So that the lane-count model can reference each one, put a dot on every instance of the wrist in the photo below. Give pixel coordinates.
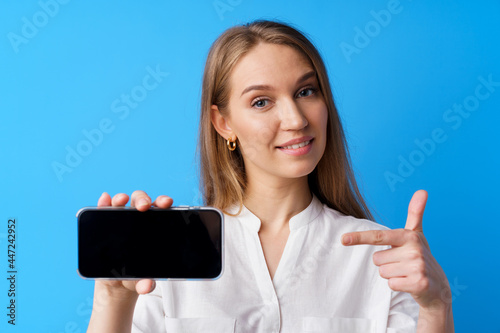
(436, 309)
(438, 317)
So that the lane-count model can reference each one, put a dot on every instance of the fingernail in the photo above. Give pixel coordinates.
(347, 239)
(142, 202)
(153, 287)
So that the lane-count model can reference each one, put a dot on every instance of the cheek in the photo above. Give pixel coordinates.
(254, 140)
(264, 135)
(256, 131)
(325, 120)
(321, 118)
(322, 124)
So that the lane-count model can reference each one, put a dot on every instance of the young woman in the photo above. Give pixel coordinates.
(274, 159)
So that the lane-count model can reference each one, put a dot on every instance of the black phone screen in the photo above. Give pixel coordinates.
(158, 243)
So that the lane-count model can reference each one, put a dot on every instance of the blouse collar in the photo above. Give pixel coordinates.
(297, 221)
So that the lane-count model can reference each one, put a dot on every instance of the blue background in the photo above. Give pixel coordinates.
(63, 77)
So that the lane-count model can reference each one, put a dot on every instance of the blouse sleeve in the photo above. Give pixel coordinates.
(149, 314)
(403, 313)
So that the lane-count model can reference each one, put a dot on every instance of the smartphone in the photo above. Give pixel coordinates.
(177, 243)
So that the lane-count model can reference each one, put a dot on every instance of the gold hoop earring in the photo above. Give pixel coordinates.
(231, 145)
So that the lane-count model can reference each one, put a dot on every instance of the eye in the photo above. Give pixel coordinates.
(307, 92)
(260, 103)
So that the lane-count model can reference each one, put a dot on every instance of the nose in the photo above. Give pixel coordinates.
(292, 117)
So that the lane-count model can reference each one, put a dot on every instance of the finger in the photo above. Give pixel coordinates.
(104, 200)
(416, 211)
(400, 284)
(375, 237)
(119, 199)
(145, 286)
(392, 255)
(140, 200)
(410, 284)
(393, 270)
(163, 201)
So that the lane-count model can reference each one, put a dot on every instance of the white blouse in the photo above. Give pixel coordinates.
(319, 285)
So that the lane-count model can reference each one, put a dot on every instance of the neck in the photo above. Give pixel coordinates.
(274, 203)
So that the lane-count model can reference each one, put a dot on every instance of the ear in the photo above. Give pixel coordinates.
(221, 124)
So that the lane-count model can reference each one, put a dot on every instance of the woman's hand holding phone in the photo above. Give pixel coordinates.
(114, 300)
(142, 202)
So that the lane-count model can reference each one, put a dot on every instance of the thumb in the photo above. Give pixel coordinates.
(416, 211)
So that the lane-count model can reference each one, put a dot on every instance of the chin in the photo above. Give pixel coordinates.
(298, 171)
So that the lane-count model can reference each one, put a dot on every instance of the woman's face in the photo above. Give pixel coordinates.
(277, 112)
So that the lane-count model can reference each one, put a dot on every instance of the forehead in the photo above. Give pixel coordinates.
(269, 64)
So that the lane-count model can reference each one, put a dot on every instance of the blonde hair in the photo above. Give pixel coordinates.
(222, 172)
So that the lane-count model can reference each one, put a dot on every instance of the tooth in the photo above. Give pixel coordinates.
(299, 145)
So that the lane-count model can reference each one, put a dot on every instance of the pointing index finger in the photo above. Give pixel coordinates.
(375, 237)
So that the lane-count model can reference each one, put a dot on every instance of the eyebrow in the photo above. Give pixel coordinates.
(303, 78)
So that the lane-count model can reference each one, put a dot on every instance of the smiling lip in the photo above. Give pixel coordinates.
(297, 147)
(296, 141)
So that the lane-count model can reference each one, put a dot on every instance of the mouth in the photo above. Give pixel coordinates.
(297, 145)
